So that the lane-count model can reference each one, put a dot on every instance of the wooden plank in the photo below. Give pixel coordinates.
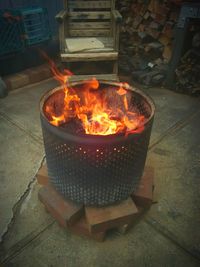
(89, 25)
(65, 3)
(89, 56)
(89, 15)
(113, 29)
(116, 19)
(106, 49)
(115, 67)
(117, 16)
(61, 16)
(116, 37)
(87, 33)
(89, 4)
(101, 77)
(62, 36)
(112, 4)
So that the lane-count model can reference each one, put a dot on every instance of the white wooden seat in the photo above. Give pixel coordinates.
(89, 31)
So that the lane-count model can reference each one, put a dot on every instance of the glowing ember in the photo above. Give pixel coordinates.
(98, 112)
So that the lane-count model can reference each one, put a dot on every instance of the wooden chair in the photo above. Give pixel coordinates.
(89, 31)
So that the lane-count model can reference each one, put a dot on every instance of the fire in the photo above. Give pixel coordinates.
(92, 107)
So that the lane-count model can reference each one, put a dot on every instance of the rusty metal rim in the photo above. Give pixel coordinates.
(93, 139)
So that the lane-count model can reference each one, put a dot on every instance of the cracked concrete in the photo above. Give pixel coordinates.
(17, 151)
(21, 146)
(168, 235)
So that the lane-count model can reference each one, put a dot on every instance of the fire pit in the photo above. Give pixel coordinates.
(88, 163)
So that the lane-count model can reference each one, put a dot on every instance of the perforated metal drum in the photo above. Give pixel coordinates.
(97, 170)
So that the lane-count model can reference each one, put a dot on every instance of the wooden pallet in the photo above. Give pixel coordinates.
(94, 222)
(103, 77)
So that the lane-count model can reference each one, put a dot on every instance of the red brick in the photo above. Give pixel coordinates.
(102, 218)
(144, 195)
(38, 74)
(45, 71)
(126, 227)
(34, 75)
(16, 81)
(42, 175)
(81, 228)
(64, 211)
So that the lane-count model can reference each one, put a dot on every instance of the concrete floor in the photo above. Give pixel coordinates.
(167, 236)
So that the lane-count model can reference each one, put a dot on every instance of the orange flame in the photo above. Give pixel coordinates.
(92, 107)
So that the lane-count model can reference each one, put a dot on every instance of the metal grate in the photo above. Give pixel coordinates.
(97, 170)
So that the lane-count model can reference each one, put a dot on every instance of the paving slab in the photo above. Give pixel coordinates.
(141, 247)
(22, 106)
(176, 162)
(30, 220)
(35, 237)
(20, 158)
(171, 108)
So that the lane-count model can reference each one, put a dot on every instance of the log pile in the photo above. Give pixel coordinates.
(187, 72)
(146, 38)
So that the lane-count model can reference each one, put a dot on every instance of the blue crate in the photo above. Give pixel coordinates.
(11, 32)
(36, 25)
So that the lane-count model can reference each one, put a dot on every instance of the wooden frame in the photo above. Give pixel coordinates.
(89, 18)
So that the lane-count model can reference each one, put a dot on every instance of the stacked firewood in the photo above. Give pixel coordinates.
(187, 72)
(146, 38)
